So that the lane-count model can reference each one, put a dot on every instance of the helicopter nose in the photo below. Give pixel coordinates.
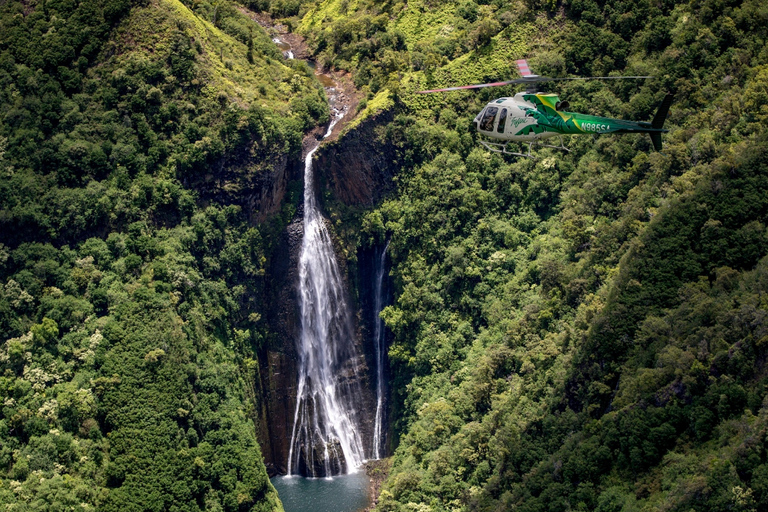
(476, 120)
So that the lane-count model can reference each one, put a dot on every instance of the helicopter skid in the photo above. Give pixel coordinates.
(561, 147)
(498, 147)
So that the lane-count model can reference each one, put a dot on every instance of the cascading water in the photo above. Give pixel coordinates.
(325, 439)
(285, 47)
(380, 347)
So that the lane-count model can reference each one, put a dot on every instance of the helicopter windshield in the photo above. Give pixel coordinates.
(502, 121)
(488, 116)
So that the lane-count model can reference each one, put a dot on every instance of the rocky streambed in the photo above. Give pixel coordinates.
(339, 88)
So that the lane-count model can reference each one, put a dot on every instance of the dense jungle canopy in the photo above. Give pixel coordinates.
(581, 331)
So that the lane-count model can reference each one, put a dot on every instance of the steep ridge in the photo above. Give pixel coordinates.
(555, 320)
(139, 144)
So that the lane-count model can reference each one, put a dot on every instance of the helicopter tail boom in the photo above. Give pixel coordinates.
(655, 128)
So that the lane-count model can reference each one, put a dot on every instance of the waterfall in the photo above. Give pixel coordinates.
(380, 348)
(285, 47)
(325, 439)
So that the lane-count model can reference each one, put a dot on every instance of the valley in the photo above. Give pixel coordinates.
(198, 294)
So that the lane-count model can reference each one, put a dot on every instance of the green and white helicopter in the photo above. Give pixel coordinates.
(531, 116)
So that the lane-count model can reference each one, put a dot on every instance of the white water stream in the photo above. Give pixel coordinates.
(380, 347)
(325, 439)
(284, 47)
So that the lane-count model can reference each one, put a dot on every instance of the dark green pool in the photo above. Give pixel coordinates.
(344, 493)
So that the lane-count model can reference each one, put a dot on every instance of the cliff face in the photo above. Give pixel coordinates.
(278, 364)
(258, 183)
(278, 359)
(357, 169)
(374, 292)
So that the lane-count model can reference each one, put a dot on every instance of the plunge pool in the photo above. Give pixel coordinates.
(342, 493)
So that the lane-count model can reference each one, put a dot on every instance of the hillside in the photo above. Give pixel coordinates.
(130, 279)
(580, 331)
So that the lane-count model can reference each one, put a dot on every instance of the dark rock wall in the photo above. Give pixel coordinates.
(257, 183)
(357, 169)
(278, 364)
(368, 260)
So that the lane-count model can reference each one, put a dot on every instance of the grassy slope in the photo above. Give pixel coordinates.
(223, 63)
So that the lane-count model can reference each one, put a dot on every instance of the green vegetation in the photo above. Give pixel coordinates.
(129, 300)
(179, 101)
(128, 393)
(582, 331)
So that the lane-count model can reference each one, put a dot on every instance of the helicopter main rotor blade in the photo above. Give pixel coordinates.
(476, 86)
(530, 79)
(593, 78)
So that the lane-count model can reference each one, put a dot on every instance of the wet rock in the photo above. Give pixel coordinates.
(278, 363)
(358, 168)
(313, 462)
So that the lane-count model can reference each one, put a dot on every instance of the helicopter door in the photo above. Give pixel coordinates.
(489, 116)
(502, 121)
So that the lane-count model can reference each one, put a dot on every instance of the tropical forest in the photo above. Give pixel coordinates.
(247, 264)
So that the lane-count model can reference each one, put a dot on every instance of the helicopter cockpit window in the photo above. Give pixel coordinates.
(502, 121)
(487, 123)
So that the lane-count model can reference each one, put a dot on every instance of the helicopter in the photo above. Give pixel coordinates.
(530, 116)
